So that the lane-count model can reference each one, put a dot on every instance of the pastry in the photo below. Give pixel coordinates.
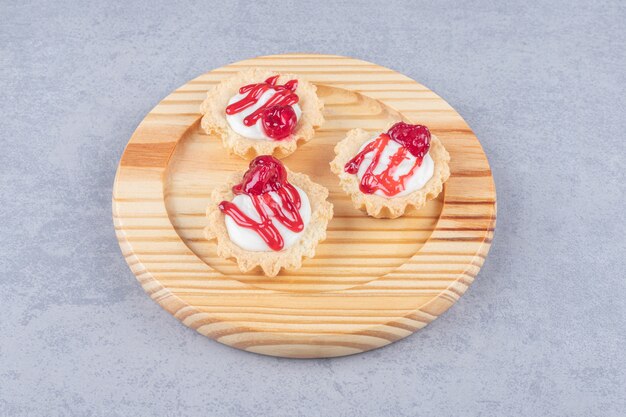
(388, 173)
(260, 112)
(268, 217)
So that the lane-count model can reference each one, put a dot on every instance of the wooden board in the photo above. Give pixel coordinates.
(372, 281)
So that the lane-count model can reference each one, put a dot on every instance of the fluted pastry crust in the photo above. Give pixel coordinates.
(383, 207)
(214, 119)
(271, 262)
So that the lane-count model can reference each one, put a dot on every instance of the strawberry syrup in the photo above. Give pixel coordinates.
(267, 174)
(415, 140)
(284, 95)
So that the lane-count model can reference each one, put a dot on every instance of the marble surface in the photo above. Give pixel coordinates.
(542, 330)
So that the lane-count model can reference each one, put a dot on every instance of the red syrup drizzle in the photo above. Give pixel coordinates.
(267, 174)
(284, 96)
(415, 139)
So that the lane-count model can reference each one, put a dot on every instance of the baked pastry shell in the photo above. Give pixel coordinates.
(214, 116)
(271, 262)
(382, 207)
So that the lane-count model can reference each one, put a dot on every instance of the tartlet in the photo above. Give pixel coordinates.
(244, 216)
(255, 90)
(413, 144)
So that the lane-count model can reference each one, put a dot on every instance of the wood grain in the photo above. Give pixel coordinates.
(373, 281)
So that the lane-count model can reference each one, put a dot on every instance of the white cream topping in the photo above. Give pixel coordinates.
(250, 240)
(420, 176)
(256, 130)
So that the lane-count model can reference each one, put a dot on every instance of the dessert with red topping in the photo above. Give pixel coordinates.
(258, 112)
(268, 217)
(389, 172)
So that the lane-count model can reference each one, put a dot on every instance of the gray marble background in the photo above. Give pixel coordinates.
(542, 330)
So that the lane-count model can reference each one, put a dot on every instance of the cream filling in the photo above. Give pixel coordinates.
(250, 240)
(415, 182)
(255, 131)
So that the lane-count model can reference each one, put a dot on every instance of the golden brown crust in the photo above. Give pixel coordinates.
(271, 262)
(214, 119)
(382, 207)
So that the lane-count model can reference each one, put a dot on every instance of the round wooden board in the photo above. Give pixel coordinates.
(371, 282)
